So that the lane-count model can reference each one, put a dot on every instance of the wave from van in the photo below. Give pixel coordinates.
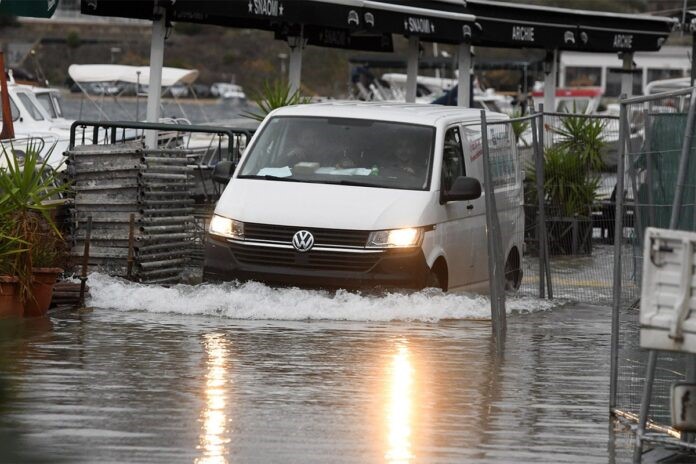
(255, 301)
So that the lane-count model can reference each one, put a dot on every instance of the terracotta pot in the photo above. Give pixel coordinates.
(10, 304)
(44, 278)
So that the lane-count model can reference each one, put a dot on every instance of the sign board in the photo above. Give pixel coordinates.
(29, 8)
(667, 305)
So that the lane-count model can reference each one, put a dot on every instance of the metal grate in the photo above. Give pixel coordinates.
(322, 237)
(314, 260)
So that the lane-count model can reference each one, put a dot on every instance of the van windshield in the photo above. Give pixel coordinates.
(343, 151)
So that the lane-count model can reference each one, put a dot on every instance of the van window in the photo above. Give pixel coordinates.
(453, 160)
(359, 152)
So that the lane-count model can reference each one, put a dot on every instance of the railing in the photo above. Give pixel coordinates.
(107, 132)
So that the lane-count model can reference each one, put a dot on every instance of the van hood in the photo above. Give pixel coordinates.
(325, 205)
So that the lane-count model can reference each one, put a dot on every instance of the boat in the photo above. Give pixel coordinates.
(31, 120)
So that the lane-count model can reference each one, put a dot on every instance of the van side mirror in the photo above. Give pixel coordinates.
(223, 172)
(463, 189)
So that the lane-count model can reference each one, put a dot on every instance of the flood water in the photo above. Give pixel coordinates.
(230, 374)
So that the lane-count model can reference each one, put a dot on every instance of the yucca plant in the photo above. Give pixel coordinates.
(569, 188)
(274, 95)
(27, 183)
(583, 137)
(519, 127)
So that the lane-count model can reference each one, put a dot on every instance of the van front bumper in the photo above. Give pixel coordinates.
(318, 268)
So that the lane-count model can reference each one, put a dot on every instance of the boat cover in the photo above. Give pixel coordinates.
(129, 74)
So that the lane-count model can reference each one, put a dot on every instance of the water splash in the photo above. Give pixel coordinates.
(256, 301)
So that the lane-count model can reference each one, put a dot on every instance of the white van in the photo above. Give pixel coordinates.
(354, 195)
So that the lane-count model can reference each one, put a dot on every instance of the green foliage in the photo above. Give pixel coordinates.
(273, 96)
(583, 137)
(73, 40)
(519, 127)
(27, 184)
(569, 188)
(189, 29)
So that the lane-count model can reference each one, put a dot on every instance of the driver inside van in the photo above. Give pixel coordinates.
(406, 160)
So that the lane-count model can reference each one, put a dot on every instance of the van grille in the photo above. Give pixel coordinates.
(322, 237)
(316, 260)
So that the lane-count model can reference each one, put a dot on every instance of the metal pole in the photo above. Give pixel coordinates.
(645, 405)
(496, 270)
(551, 69)
(412, 70)
(297, 45)
(85, 261)
(618, 237)
(131, 240)
(544, 231)
(541, 224)
(649, 168)
(627, 76)
(154, 92)
(464, 84)
(693, 54)
(137, 97)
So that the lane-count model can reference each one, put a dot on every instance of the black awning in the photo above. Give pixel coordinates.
(365, 24)
(527, 26)
(330, 23)
(399, 61)
(427, 20)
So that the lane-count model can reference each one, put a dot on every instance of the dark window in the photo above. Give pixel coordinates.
(453, 159)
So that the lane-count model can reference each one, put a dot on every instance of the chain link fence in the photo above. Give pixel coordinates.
(657, 168)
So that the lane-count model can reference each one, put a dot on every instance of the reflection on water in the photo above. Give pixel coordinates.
(214, 431)
(112, 386)
(399, 407)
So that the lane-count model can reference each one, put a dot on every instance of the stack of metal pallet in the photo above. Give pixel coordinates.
(141, 210)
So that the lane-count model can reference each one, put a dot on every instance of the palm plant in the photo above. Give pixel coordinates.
(274, 95)
(519, 127)
(569, 189)
(27, 184)
(583, 137)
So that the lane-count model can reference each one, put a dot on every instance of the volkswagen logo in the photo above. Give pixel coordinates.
(303, 241)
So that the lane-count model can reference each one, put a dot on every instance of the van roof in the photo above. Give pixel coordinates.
(409, 113)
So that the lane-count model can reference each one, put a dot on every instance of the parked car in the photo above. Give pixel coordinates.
(179, 91)
(357, 195)
(227, 91)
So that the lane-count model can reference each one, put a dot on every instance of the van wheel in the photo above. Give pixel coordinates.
(437, 278)
(513, 271)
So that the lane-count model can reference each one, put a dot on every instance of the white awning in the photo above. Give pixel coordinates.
(129, 74)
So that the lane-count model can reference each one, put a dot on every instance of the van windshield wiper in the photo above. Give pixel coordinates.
(269, 177)
(353, 183)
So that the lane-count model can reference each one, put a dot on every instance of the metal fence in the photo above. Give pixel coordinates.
(566, 163)
(656, 172)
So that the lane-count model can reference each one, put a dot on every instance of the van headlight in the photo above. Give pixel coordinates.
(225, 227)
(395, 238)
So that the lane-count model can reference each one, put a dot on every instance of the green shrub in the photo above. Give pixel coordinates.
(273, 96)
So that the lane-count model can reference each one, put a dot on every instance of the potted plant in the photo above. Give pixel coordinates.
(571, 181)
(28, 185)
(10, 303)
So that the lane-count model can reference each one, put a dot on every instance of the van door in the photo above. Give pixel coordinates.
(457, 233)
(476, 212)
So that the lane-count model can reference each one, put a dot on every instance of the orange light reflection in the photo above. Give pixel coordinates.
(399, 407)
(214, 431)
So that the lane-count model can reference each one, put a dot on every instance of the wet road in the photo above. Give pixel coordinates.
(209, 382)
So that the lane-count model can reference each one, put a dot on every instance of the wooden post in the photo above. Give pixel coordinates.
(7, 123)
